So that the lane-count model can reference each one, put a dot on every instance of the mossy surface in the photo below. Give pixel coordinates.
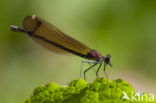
(99, 91)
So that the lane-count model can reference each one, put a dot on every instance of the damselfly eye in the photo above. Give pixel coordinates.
(107, 59)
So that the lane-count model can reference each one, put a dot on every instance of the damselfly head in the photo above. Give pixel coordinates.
(107, 60)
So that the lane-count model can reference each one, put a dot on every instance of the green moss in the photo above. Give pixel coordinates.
(78, 91)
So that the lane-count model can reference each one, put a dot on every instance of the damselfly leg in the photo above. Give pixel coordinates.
(91, 66)
(104, 69)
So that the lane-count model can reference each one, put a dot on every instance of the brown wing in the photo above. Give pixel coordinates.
(43, 29)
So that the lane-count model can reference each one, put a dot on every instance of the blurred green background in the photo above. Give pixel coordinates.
(126, 29)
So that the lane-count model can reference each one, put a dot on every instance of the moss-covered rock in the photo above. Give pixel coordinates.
(99, 91)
